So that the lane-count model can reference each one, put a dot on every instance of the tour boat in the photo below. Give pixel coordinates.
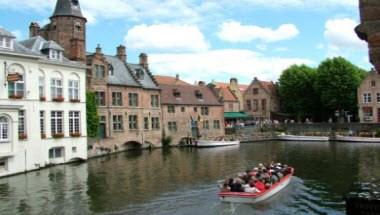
(357, 139)
(301, 138)
(216, 143)
(243, 197)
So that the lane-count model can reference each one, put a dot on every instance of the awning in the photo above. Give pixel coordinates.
(235, 115)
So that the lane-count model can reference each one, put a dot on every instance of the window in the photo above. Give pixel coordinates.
(133, 122)
(206, 124)
(117, 99)
(74, 149)
(177, 94)
(133, 99)
(216, 124)
(367, 113)
(4, 129)
(140, 74)
(99, 71)
(199, 95)
(264, 105)
(16, 87)
(183, 109)
(55, 54)
(56, 153)
(378, 97)
(42, 123)
(41, 86)
(154, 101)
(74, 122)
(56, 88)
(117, 122)
(367, 98)
(146, 123)
(57, 122)
(230, 107)
(249, 105)
(172, 126)
(255, 105)
(73, 90)
(6, 42)
(21, 124)
(255, 91)
(3, 164)
(155, 123)
(171, 109)
(373, 83)
(204, 111)
(195, 109)
(100, 98)
(110, 70)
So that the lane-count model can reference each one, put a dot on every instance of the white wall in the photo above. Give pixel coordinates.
(33, 152)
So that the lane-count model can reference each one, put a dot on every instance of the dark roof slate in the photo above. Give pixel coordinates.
(68, 8)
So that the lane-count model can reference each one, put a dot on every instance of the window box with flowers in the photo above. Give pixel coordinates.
(43, 136)
(58, 135)
(58, 99)
(15, 96)
(42, 98)
(75, 100)
(75, 134)
(22, 136)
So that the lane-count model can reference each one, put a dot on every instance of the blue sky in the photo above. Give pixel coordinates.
(214, 39)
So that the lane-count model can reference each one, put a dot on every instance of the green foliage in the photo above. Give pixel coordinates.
(318, 93)
(297, 95)
(337, 81)
(92, 115)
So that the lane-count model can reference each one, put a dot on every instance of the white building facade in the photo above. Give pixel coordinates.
(42, 105)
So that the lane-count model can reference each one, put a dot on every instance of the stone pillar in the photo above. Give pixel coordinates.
(369, 29)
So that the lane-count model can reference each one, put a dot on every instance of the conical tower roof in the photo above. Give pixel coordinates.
(68, 8)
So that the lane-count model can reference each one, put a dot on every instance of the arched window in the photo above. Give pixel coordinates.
(4, 129)
(15, 79)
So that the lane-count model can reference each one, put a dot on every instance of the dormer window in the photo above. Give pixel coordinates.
(199, 95)
(6, 42)
(177, 94)
(140, 74)
(55, 54)
(110, 70)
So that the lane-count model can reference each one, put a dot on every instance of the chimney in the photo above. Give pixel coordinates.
(144, 60)
(201, 83)
(98, 49)
(177, 77)
(34, 29)
(121, 53)
(233, 81)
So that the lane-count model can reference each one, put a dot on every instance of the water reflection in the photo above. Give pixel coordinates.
(182, 181)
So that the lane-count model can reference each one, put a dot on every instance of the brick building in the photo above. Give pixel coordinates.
(128, 99)
(369, 98)
(67, 27)
(261, 100)
(189, 111)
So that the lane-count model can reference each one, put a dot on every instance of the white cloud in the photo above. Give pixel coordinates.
(233, 31)
(341, 37)
(310, 4)
(281, 49)
(169, 37)
(241, 63)
(18, 34)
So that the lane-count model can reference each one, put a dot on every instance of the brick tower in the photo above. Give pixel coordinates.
(67, 27)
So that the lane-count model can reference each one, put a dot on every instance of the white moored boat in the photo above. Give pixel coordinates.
(243, 197)
(216, 143)
(357, 139)
(301, 138)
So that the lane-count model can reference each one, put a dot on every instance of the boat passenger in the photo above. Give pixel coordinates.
(236, 186)
(225, 188)
(274, 178)
(260, 185)
(250, 188)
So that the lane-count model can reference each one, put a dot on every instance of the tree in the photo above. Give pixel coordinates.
(337, 81)
(296, 91)
(92, 115)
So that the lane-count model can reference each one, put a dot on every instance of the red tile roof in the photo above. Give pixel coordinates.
(168, 80)
(226, 93)
(188, 95)
(242, 87)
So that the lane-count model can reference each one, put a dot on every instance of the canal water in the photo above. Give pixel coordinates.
(183, 181)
